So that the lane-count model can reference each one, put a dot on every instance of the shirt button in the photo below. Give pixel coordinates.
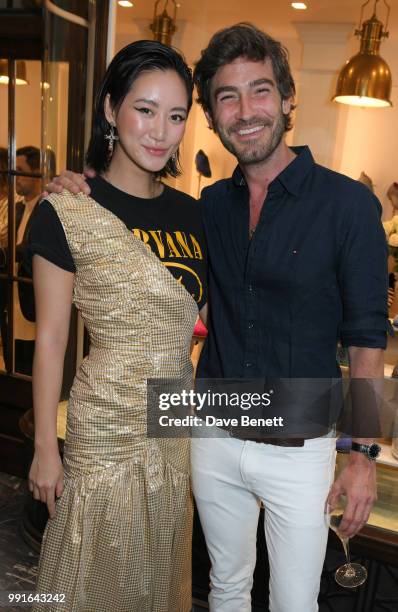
(250, 287)
(248, 364)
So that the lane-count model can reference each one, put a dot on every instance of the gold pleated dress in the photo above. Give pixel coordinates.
(121, 538)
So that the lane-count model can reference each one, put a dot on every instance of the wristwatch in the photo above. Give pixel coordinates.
(372, 451)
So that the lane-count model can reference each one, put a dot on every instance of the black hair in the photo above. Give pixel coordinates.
(243, 40)
(124, 69)
(32, 155)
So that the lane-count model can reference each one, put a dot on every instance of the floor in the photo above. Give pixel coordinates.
(18, 562)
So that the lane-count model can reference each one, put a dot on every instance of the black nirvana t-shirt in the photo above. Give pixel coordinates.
(169, 224)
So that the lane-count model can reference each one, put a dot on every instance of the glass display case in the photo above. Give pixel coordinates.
(375, 547)
(43, 130)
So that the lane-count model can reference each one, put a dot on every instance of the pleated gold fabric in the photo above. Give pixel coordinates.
(121, 538)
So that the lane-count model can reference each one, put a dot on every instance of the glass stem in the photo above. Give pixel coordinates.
(346, 546)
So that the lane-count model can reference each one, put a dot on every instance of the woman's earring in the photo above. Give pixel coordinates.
(111, 137)
(174, 157)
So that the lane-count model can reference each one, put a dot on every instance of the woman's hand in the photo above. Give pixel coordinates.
(46, 478)
(71, 181)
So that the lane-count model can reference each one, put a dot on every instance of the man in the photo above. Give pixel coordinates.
(3, 250)
(297, 260)
(3, 200)
(29, 187)
(292, 248)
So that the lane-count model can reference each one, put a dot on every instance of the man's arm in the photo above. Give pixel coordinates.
(357, 480)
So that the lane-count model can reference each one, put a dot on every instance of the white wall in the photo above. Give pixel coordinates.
(191, 37)
(369, 141)
(27, 109)
(346, 139)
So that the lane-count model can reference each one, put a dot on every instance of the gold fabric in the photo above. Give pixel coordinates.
(121, 538)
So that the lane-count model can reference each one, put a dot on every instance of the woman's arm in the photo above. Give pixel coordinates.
(53, 298)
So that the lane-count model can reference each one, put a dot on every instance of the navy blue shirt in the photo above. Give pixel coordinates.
(314, 273)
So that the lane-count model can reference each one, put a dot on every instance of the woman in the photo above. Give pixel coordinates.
(119, 535)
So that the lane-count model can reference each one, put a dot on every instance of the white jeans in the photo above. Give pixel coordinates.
(229, 479)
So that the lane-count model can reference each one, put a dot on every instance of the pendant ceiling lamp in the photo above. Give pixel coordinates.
(20, 72)
(164, 26)
(365, 80)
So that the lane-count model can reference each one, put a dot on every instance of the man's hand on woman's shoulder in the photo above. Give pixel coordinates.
(71, 181)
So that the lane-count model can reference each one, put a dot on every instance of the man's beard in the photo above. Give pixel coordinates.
(255, 152)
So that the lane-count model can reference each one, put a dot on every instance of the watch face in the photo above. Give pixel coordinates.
(374, 451)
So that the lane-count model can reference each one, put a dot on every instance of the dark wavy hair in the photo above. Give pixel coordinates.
(243, 40)
(124, 69)
(32, 155)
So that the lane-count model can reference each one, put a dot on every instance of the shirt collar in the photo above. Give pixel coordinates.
(292, 177)
(30, 204)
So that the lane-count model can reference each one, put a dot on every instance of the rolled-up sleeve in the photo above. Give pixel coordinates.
(363, 275)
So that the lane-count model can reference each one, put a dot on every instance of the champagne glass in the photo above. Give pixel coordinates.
(349, 575)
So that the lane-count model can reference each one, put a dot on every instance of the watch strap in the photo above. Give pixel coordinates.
(365, 449)
(359, 448)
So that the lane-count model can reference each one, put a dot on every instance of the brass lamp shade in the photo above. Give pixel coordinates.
(20, 76)
(365, 80)
(164, 26)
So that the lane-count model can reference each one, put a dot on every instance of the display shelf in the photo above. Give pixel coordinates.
(386, 457)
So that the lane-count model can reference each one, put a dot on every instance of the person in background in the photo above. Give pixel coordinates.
(119, 537)
(3, 247)
(3, 199)
(28, 191)
(392, 195)
(366, 180)
(29, 187)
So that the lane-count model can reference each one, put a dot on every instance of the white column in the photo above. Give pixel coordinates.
(319, 122)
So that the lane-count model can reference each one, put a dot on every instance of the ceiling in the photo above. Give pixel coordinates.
(278, 14)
